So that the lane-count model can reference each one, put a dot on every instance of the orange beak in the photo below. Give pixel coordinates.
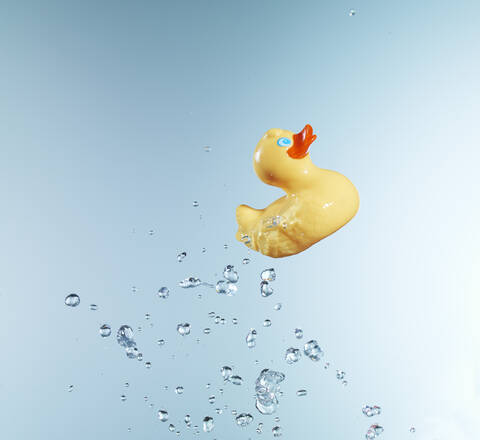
(301, 143)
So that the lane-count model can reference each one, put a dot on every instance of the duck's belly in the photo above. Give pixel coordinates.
(292, 224)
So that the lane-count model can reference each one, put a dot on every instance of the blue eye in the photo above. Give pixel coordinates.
(284, 142)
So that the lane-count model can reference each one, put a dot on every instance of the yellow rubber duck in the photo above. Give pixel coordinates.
(317, 203)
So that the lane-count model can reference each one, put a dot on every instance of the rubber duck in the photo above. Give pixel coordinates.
(317, 202)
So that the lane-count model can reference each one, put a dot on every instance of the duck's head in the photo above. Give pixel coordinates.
(281, 157)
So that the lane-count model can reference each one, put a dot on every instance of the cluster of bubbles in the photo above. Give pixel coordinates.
(244, 419)
(251, 338)
(370, 411)
(267, 276)
(267, 385)
(228, 376)
(227, 286)
(311, 350)
(125, 339)
(267, 390)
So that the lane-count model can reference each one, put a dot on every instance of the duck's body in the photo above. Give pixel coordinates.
(317, 202)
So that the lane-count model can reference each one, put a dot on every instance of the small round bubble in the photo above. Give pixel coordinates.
(105, 331)
(72, 300)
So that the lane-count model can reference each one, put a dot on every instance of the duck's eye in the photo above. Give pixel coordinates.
(284, 142)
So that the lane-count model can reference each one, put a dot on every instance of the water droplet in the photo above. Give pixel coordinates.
(195, 204)
(211, 399)
(184, 329)
(208, 424)
(251, 338)
(277, 306)
(219, 411)
(179, 390)
(207, 386)
(72, 300)
(267, 390)
(301, 393)
(123, 397)
(268, 275)
(207, 330)
(327, 365)
(371, 411)
(265, 289)
(245, 239)
(292, 355)
(413, 430)
(277, 431)
(226, 372)
(171, 427)
(190, 282)
(147, 316)
(132, 352)
(148, 364)
(230, 274)
(225, 246)
(223, 321)
(187, 420)
(70, 388)
(125, 336)
(246, 261)
(313, 350)
(231, 289)
(204, 250)
(244, 419)
(126, 384)
(163, 292)
(373, 431)
(181, 256)
(105, 331)
(161, 342)
(93, 307)
(217, 320)
(221, 287)
(267, 323)
(298, 333)
(163, 415)
(234, 321)
(352, 12)
(207, 149)
(341, 374)
(236, 380)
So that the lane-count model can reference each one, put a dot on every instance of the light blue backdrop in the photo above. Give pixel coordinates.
(105, 109)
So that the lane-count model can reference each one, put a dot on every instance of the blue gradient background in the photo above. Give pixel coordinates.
(105, 108)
